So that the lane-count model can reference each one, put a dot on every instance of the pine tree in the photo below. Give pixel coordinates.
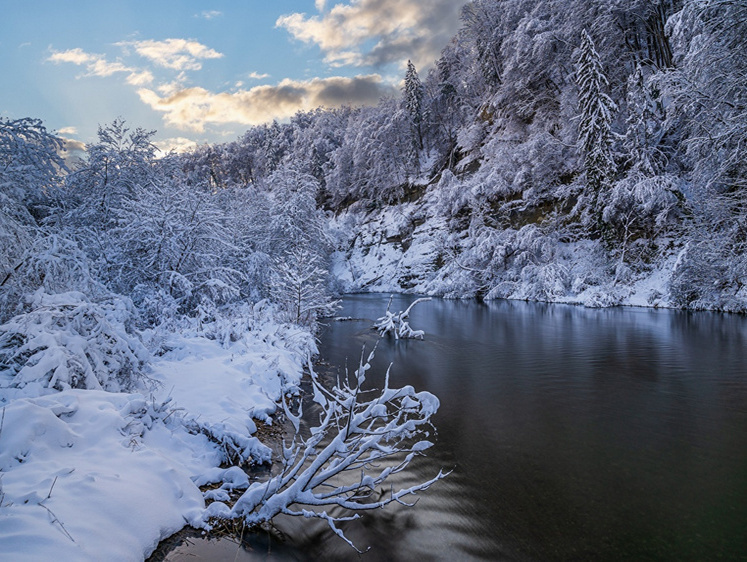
(413, 103)
(595, 126)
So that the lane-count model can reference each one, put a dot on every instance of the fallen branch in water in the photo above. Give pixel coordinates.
(397, 324)
(363, 438)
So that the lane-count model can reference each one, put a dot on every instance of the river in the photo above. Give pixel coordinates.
(573, 434)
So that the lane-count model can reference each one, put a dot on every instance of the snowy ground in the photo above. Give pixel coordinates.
(93, 475)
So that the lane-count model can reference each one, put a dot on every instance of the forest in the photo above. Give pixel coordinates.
(571, 151)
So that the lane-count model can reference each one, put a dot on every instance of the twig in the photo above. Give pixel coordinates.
(57, 520)
(49, 495)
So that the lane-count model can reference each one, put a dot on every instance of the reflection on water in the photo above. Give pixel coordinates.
(574, 434)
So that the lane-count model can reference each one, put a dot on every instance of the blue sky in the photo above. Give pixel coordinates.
(205, 71)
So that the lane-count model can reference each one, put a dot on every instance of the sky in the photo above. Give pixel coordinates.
(206, 71)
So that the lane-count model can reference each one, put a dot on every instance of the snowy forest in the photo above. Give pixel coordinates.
(580, 151)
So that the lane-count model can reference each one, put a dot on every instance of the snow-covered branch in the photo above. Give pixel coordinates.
(397, 324)
(362, 439)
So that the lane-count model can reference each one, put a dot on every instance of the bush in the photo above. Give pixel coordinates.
(66, 341)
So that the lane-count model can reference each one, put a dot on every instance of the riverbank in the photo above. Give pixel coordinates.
(94, 475)
(416, 247)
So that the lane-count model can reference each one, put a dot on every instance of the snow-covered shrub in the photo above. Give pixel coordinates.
(67, 341)
(638, 209)
(53, 263)
(707, 277)
(545, 282)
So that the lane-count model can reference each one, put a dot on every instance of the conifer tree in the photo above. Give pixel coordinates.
(413, 103)
(595, 125)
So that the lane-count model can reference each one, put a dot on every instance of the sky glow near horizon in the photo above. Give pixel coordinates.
(205, 71)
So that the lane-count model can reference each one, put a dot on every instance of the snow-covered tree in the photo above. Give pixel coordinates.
(30, 168)
(595, 120)
(375, 159)
(121, 159)
(638, 209)
(300, 286)
(644, 127)
(412, 101)
(172, 237)
(709, 109)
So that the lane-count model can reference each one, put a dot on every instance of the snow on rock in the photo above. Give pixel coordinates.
(395, 249)
(412, 248)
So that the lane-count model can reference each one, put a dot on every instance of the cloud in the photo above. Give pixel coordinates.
(72, 150)
(257, 76)
(194, 108)
(378, 32)
(76, 56)
(140, 78)
(175, 144)
(68, 131)
(209, 14)
(97, 65)
(176, 54)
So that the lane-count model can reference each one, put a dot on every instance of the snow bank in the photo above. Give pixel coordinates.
(95, 475)
(80, 483)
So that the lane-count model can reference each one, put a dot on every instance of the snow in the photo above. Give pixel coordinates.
(409, 248)
(95, 475)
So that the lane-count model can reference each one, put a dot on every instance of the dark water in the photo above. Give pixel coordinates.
(574, 434)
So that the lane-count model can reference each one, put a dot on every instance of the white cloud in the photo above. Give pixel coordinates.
(97, 65)
(140, 78)
(68, 131)
(76, 56)
(72, 150)
(378, 32)
(257, 76)
(320, 5)
(175, 144)
(209, 14)
(177, 54)
(194, 108)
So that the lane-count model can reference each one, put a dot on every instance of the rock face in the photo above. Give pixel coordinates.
(417, 247)
(397, 248)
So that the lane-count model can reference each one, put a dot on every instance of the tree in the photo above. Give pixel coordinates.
(595, 123)
(644, 127)
(412, 100)
(172, 237)
(30, 168)
(709, 110)
(119, 160)
(300, 286)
